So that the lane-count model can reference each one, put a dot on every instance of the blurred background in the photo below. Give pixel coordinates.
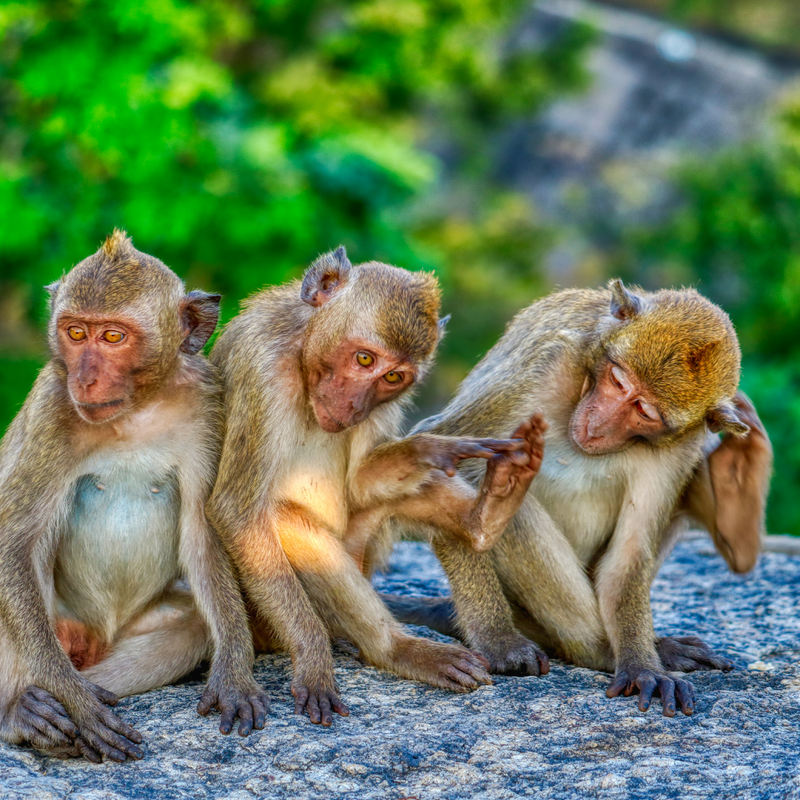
(511, 147)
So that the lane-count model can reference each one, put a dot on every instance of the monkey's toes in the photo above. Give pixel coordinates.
(689, 654)
(319, 703)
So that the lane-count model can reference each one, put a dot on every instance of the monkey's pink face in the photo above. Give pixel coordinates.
(347, 384)
(101, 356)
(615, 412)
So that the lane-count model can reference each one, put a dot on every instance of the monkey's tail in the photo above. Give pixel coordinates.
(437, 613)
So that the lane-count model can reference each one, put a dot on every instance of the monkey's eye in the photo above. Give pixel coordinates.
(646, 411)
(75, 333)
(113, 336)
(618, 378)
(393, 377)
(365, 359)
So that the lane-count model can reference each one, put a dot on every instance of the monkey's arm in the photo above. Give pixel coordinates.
(395, 470)
(406, 479)
(32, 494)
(231, 687)
(728, 492)
(623, 583)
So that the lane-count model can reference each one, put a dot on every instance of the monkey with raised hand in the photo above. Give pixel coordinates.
(104, 474)
(631, 384)
(316, 377)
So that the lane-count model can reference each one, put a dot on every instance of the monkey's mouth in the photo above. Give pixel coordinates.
(327, 421)
(97, 406)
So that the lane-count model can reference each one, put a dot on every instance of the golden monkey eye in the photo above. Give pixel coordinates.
(365, 359)
(113, 336)
(76, 334)
(393, 377)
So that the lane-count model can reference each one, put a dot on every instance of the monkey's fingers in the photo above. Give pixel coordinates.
(647, 684)
(103, 695)
(112, 737)
(87, 751)
(684, 692)
(43, 705)
(260, 705)
(666, 688)
(320, 704)
(619, 685)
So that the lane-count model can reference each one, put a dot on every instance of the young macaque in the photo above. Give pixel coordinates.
(104, 474)
(317, 375)
(631, 384)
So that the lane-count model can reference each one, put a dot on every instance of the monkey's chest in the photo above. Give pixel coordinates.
(583, 496)
(316, 481)
(119, 547)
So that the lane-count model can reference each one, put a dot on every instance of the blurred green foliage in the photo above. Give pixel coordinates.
(737, 237)
(236, 140)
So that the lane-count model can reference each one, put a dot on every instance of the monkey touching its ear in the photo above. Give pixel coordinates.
(630, 382)
(104, 474)
(317, 376)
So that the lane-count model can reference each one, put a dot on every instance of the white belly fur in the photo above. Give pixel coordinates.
(595, 488)
(119, 547)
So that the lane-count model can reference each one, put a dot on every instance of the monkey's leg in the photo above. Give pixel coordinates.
(624, 575)
(541, 573)
(157, 649)
(285, 612)
(728, 492)
(353, 610)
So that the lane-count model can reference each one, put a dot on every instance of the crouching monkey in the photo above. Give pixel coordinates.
(104, 474)
(316, 378)
(631, 384)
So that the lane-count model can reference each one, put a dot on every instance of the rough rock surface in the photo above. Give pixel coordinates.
(552, 737)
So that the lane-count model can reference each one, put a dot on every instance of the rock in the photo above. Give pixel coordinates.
(553, 737)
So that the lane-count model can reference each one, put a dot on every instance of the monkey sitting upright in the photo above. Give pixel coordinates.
(630, 383)
(104, 474)
(315, 378)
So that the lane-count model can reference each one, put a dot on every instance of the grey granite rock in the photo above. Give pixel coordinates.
(554, 737)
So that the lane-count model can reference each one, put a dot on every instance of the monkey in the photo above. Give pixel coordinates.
(104, 474)
(317, 375)
(632, 385)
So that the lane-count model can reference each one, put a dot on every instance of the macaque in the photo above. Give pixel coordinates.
(632, 385)
(104, 474)
(316, 379)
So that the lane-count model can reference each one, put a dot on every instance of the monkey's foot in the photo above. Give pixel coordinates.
(507, 480)
(248, 702)
(649, 683)
(688, 654)
(320, 699)
(514, 656)
(447, 666)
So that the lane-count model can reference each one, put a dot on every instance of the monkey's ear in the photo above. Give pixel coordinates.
(325, 276)
(52, 288)
(725, 419)
(442, 326)
(199, 317)
(624, 304)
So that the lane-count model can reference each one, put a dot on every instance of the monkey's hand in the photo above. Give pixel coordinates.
(688, 654)
(319, 697)
(514, 655)
(507, 480)
(100, 732)
(44, 722)
(445, 452)
(649, 682)
(244, 699)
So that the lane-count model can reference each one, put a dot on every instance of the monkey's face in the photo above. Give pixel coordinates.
(101, 356)
(615, 410)
(345, 384)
